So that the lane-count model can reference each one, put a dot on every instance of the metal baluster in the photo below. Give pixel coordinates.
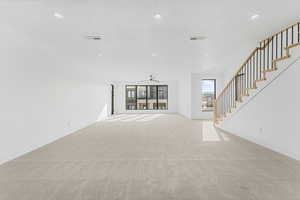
(244, 86)
(286, 38)
(221, 101)
(276, 46)
(260, 60)
(264, 58)
(268, 56)
(292, 34)
(234, 92)
(256, 68)
(223, 104)
(247, 75)
(231, 89)
(298, 32)
(250, 71)
(281, 44)
(230, 96)
(226, 101)
(238, 88)
(272, 56)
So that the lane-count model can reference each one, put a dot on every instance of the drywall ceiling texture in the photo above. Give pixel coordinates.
(135, 44)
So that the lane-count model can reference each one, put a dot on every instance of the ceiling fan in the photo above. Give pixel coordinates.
(150, 80)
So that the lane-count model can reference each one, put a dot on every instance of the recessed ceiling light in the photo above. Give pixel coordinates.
(153, 54)
(100, 54)
(157, 16)
(58, 15)
(254, 17)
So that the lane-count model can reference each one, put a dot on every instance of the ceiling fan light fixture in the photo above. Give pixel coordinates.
(151, 80)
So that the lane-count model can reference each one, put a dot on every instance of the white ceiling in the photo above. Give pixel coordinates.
(37, 40)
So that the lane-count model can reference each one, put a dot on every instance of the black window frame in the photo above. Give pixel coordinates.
(147, 107)
(215, 92)
(132, 98)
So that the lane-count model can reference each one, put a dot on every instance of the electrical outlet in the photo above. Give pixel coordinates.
(260, 130)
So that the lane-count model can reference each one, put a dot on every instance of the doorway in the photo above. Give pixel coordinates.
(112, 99)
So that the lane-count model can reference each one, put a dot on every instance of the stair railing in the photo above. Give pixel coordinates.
(263, 59)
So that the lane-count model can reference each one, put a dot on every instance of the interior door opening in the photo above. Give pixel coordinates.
(112, 99)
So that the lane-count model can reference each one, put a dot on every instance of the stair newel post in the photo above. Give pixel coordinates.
(281, 44)
(272, 53)
(269, 41)
(298, 26)
(276, 48)
(264, 59)
(215, 112)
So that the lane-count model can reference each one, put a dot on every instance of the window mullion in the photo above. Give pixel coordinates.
(146, 97)
(136, 105)
(157, 97)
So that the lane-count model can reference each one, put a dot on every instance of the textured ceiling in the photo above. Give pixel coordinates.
(135, 44)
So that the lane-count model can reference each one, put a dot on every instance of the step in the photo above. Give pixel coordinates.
(283, 58)
(293, 45)
(270, 70)
(252, 88)
(260, 80)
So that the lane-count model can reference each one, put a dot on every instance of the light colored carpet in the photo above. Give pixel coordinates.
(150, 157)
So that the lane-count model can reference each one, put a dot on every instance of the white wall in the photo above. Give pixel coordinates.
(196, 93)
(44, 95)
(34, 115)
(120, 98)
(271, 118)
(189, 93)
(184, 95)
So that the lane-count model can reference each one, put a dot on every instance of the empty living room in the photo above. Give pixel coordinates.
(149, 100)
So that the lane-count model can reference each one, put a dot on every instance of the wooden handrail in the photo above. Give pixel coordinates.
(261, 60)
(248, 58)
(282, 31)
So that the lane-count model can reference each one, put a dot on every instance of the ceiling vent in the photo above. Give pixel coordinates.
(198, 38)
(93, 37)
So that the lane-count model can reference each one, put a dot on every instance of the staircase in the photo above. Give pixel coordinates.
(261, 61)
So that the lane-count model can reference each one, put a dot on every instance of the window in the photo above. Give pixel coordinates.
(208, 87)
(142, 97)
(152, 97)
(131, 97)
(146, 97)
(162, 97)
